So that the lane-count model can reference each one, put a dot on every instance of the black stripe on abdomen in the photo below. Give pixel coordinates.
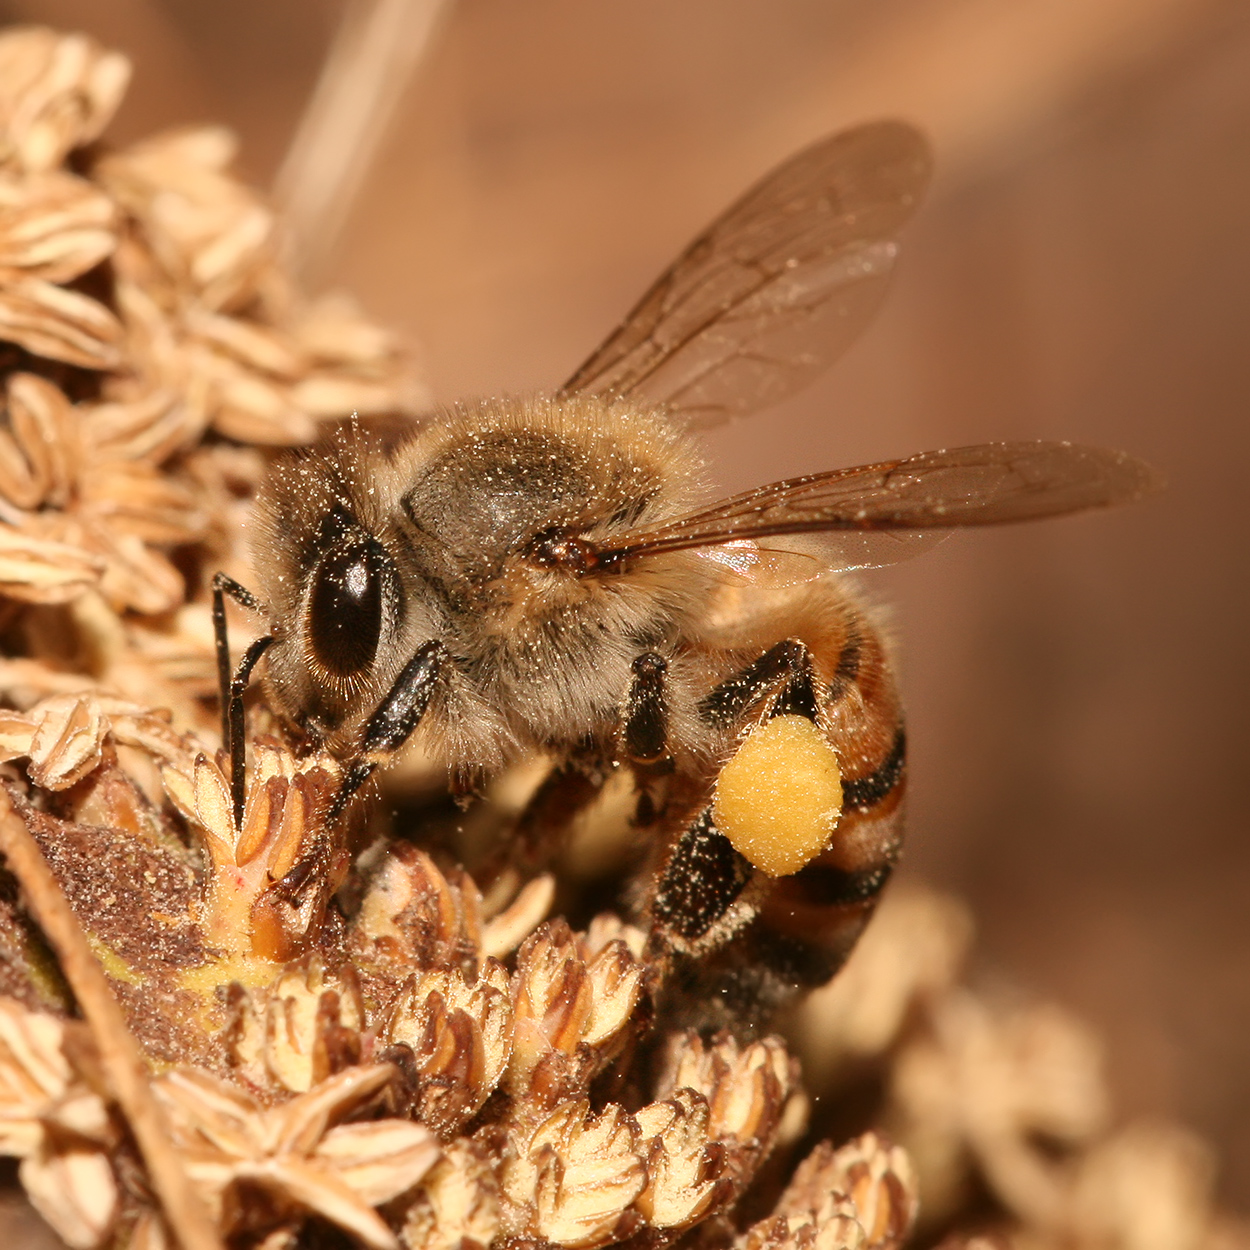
(861, 793)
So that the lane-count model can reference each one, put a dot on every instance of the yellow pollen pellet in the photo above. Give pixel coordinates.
(779, 798)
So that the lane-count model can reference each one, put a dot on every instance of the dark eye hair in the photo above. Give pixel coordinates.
(345, 611)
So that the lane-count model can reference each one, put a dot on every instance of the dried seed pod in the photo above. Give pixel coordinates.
(456, 1206)
(573, 1178)
(683, 1164)
(312, 1025)
(746, 1086)
(54, 225)
(875, 1176)
(563, 1002)
(411, 915)
(58, 92)
(460, 1036)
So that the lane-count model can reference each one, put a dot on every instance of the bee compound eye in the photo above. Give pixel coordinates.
(345, 610)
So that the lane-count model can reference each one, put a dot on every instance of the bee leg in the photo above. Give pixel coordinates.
(390, 726)
(394, 721)
(704, 875)
(784, 669)
(701, 881)
(231, 688)
(644, 734)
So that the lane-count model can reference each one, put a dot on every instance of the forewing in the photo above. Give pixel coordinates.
(879, 513)
(775, 289)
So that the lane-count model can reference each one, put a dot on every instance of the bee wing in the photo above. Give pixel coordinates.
(775, 289)
(881, 513)
(805, 557)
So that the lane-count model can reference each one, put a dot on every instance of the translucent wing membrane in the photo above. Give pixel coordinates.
(879, 513)
(775, 289)
(790, 558)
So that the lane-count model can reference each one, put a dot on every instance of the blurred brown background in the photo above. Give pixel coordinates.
(1078, 690)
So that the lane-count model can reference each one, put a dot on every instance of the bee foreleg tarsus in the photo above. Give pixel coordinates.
(785, 667)
(231, 687)
(223, 586)
(312, 865)
(232, 722)
(645, 732)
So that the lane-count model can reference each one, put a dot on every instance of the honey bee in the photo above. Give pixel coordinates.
(546, 575)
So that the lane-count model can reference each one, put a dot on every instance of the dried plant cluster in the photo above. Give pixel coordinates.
(390, 1057)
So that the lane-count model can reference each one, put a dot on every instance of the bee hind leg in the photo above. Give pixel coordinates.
(704, 875)
(784, 671)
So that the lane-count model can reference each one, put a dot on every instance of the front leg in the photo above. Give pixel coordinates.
(386, 731)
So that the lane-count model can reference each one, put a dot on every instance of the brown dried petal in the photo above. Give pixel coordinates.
(134, 498)
(252, 409)
(507, 930)
(33, 1075)
(63, 325)
(251, 345)
(16, 732)
(456, 1206)
(38, 453)
(205, 230)
(317, 1188)
(324, 394)
(299, 1124)
(57, 92)
(149, 428)
(333, 329)
(53, 225)
(381, 1159)
(66, 744)
(607, 927)
(37, 570)
(135, 576)
(74, 1190)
